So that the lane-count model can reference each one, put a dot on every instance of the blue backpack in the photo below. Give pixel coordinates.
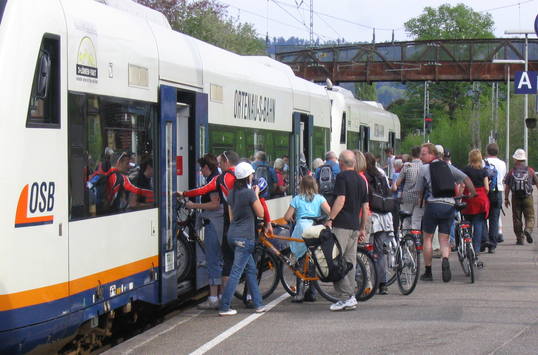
(492, 176)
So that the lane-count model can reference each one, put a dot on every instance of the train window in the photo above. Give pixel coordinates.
(343, 129)
(110, 155)
(247, 141)
(44, 106)
(322, 137)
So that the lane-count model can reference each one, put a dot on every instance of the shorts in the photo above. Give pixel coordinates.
(437, 215)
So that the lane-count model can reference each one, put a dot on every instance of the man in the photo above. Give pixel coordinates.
(519, 181)
(495, 197)
(330, 159)
(118, 185)
(439, 211)
(263, 169)
(352, 197)
(389, 152)
(410, 197)
(213, 220)
(143, 179)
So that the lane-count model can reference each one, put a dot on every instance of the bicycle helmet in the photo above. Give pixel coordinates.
(262, 184)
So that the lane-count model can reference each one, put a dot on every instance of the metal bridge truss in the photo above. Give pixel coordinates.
(436, 60)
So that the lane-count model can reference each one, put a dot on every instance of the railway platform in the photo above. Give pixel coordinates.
(496, 315)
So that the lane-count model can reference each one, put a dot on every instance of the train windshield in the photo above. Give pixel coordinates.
(2, 7)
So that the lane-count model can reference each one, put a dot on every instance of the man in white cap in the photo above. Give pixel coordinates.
(519, 181)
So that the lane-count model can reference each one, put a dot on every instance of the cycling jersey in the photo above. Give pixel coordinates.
(117, 182)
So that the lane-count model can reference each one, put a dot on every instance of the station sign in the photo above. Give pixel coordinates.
(526, 82)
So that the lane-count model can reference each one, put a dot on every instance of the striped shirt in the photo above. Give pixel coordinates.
(408, 179)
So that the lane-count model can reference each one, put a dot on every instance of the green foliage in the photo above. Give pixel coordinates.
(450, 22)
(209, 21)
(366, 91)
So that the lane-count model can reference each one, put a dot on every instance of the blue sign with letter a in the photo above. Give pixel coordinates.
(525, 82)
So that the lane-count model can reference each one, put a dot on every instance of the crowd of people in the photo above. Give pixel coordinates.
(361, 201)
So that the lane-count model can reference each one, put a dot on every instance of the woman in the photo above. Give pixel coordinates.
(244, 207)
(381, 226)
(477, 208)
(281, 186)
(308, 203)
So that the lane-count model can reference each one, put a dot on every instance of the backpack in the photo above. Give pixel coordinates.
(443, 181)
(380, 197)
(492, 176)
(327, 254)
(262, 171)
(96, 186)
(326, 180)
(520, 184)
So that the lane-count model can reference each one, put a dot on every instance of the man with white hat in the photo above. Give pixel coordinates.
(519, 181)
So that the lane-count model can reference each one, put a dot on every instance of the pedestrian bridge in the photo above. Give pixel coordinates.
(435, 60)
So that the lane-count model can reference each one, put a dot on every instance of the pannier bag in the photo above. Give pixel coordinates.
(381, 199)
(327, 253)
(443, 181)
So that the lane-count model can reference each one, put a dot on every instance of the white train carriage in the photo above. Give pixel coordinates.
(81, 79)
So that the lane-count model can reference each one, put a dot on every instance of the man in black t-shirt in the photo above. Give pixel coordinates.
(349, 225)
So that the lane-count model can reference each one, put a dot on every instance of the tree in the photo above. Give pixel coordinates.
(208, 20)
(366, 91)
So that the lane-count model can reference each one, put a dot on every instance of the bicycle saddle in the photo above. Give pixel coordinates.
(460, 205)
(317, 220)
(405, 214)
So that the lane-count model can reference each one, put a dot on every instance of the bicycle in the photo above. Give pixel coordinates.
(187, 237)
(464, 242)
(292, 275)
(365, 252)
(403, 257)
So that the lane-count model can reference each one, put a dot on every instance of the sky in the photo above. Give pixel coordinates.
(354, 20)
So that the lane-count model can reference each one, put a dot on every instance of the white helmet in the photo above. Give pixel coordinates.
(243, 170)
(520, 154)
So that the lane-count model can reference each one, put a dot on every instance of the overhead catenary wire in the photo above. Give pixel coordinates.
(508, 6)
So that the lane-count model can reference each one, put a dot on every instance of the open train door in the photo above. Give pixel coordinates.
(302, 133)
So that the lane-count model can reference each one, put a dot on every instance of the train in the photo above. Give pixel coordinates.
(82, 80)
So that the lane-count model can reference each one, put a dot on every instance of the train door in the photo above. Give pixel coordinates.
(303, 130)
(365, 138)
(392, 140)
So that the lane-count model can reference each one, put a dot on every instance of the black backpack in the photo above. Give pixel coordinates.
(328, 257)
(521, 183)
(443, 181)
(326, 180)
(263, 171)
(380, 197)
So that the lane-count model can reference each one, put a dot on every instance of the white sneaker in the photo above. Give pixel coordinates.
(209, 305)
(350, 303)
(338, 306)
(261, 309)
(230, 312)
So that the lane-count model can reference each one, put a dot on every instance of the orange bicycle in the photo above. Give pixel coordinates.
(274, 265)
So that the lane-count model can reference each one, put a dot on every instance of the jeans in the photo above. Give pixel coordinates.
(478, 221)
(491, 234)
(243, 260)
(213, 254)
(380, 260)
(347, 238)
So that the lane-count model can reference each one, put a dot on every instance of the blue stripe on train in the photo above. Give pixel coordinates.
(23, 329)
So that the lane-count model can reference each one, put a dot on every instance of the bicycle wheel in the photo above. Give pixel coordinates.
(267, 275)
(409, 266)
(290, 281)
(391, 272)
(327, 290)
(471, 259)
(370, 273)
(184, 256)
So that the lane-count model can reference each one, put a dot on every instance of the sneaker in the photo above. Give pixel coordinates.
(491, 250)
(338, 306)
(351, 303)
(209, 305)
(445, 266)
(426, 277)
(230, 312)
(519, 242)
(383, 289)
(437, 254)
(529, 237)
(261, 309)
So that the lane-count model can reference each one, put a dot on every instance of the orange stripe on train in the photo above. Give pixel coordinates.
(65, 289)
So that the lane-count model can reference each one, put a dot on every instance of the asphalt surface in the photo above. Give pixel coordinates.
(496, 315)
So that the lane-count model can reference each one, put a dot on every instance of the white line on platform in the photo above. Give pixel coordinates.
(151, 338)
(511, 339)
(231, 331)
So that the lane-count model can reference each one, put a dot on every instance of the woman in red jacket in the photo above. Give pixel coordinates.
(478, 206)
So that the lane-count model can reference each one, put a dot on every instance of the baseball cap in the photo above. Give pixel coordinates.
(243, 170)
